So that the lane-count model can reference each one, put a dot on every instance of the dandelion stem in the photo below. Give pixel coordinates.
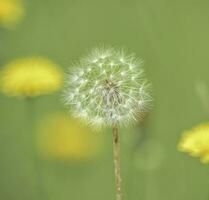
(33, 157)
(117, 164)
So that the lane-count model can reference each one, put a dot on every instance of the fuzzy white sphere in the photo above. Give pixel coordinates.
(107, 87)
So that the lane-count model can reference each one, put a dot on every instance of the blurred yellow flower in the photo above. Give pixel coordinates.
(196, 142)
(31, 77)
(63, 138)
(11, 11)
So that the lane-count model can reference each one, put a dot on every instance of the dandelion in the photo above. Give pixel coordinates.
(31, 77)
(11, 12)
(64, 138)
(195, 142)
(107, 88)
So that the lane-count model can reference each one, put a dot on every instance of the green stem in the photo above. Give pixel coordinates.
(202, 92)
(117, 164)
(32, 147)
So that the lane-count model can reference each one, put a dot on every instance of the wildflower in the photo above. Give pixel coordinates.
(107, 87)
(11, 11)
(30, 77)
(64, 138)
(196, 142)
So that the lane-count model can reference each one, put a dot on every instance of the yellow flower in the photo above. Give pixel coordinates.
(196, 142)
(64, 138)
(11, 11)
(31, 77)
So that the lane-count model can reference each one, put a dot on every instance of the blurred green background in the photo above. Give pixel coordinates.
(173, 39)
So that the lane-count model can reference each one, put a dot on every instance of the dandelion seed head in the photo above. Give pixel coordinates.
(111, 95)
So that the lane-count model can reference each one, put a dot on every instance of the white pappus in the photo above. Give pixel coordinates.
(108, 87)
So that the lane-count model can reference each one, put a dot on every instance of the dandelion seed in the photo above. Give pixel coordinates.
(120, 83)
(91, 91)
(76, 91)
(111, 76)
(103, 56)
(131, 66)
(89, 69)
(133, 78)
(81, 73)
(112, 64)
(122, 60)
(75, 78)
(141, 102)
(123, 73)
